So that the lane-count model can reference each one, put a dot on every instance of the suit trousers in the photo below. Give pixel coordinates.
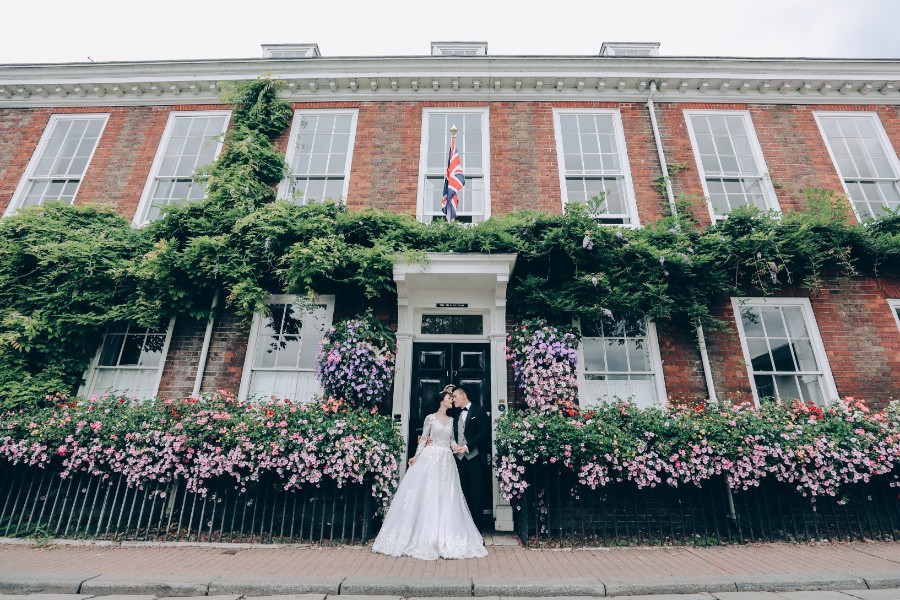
(472, 476)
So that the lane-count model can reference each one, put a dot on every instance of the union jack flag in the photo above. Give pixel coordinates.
(454, 180)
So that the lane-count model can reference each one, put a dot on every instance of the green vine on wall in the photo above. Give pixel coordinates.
(68, 272)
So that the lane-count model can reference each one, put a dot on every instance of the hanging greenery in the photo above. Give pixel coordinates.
(67, 272)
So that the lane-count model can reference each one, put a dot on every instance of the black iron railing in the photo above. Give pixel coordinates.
(557, 510)
(39, 503)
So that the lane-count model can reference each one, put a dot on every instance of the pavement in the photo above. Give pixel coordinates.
(78, 570)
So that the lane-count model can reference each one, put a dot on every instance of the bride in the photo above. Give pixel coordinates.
(428, 517)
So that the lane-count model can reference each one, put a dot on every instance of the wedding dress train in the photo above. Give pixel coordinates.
(428, 517)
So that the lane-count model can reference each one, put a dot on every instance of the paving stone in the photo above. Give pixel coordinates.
(253, 585)
(499, 539)
(470, 598)
(364, 597)
(495, 586)
(45, 596)
(289, 597)
(667, 597)
(127, 597)
(43, 583)
(874, 594)
(407, 586)
(157, 585)
(817, 595)
(220, 597)
(747, 596)
(668, 585)
(781, 582)
(876, 580)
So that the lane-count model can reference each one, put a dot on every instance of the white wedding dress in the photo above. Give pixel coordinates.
(428, 517)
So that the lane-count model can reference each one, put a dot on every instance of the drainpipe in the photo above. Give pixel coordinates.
(204, 351)
(701, 337)
(670, 196)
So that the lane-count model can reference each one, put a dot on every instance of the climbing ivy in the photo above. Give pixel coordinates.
(68, 272)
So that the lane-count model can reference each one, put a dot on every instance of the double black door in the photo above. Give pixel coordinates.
(437, 364)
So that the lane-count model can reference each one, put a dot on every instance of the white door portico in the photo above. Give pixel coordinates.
(454, 284)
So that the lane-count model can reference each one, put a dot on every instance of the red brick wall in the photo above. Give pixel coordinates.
(681, 362)
(792, 146)
(861, 338)
(182, 359)
(227, 349)
(121, 162)
(20, 131)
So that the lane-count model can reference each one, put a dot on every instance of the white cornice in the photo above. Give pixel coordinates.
(477, 79)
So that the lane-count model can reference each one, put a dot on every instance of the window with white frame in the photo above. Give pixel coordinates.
(593, 164)
(732, 168)
(191, 140)
(60, 160)
(783, 349)
(472, 143)
(865, 161)
(320, 149)
(130, 361)
(622, 361)
(281, 355)
(895, 309)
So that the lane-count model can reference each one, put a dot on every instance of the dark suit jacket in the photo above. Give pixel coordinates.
(478, 431)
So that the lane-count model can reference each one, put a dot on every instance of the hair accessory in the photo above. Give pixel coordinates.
(448, 389)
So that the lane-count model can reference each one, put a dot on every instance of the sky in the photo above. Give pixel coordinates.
(44, 31)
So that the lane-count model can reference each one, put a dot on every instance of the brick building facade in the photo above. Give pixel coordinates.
(775, 114)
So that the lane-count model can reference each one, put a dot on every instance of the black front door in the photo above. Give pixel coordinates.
(435, 366)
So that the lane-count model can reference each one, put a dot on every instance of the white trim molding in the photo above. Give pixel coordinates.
(890, 153)
(306, 377)
(761, 174)
(94, 370)
(622, 174)
(455, 78)
(654, 362)
(141, 215)
(894, 305)
(37, 157)
(817, 348)
(285, 190)
(485, 175)
(477, 281)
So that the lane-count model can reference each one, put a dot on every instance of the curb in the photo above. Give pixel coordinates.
(316, 588)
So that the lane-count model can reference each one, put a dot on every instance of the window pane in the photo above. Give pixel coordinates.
(109, 351)
(861, 157)
(784, 330)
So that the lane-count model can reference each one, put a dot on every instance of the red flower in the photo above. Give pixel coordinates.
(700, 407)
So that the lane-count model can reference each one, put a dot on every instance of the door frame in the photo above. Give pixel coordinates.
(416, 373)
(471, 284)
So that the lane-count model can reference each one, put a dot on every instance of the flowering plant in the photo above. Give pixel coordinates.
(815, 449)
(197, 440)
(356, 360)
(544, 359)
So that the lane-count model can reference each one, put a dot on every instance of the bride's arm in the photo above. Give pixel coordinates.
(426, 432)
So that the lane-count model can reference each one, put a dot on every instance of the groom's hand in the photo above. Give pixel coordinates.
(428, 441)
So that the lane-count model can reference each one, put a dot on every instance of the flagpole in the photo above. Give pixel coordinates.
(453, 131)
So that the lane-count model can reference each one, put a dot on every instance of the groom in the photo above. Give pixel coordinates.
(471, 430)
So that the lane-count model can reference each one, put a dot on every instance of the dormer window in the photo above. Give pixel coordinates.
(459, 48)
(629, 49)
(291, 51)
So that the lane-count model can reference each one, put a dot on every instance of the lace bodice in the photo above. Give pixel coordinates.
(441, 433)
